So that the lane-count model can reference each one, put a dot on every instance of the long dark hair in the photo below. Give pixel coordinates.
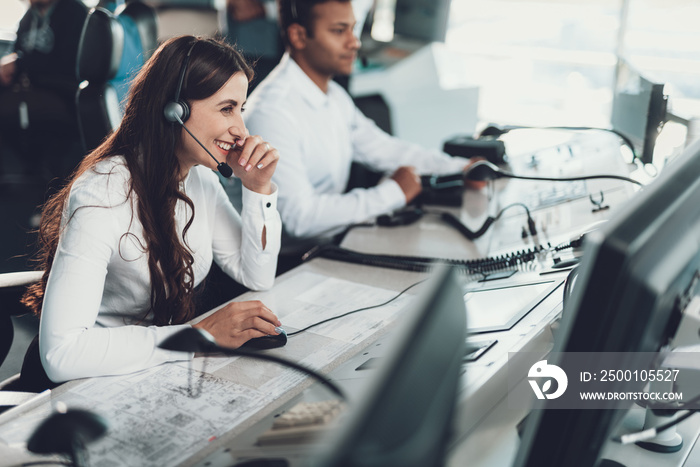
(147, 141)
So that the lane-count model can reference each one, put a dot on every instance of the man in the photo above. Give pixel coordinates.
(319, 132)
(38, 79)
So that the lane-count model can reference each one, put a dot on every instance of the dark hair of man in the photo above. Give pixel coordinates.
(299, 12)
(147, 141)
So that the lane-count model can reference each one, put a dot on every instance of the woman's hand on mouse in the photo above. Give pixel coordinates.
(238, 322)
(254, 161)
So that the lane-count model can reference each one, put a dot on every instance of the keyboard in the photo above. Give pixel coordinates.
(302, 423)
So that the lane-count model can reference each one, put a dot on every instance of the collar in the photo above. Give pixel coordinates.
(306, 87)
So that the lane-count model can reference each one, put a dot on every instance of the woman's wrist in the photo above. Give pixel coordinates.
(264, 189)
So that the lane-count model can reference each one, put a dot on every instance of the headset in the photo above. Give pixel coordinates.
(178, 111)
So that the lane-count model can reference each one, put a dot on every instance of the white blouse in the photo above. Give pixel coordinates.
(319, 135)
(99, 286)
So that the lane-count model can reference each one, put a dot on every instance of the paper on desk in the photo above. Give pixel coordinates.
(164, 415)
(332, 297)
(155, 417)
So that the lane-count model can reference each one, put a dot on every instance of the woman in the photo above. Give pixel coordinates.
(126, 242)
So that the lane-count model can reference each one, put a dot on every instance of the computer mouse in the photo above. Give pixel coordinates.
(266, 342)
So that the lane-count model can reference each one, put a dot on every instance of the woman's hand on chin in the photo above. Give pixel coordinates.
(254, 161)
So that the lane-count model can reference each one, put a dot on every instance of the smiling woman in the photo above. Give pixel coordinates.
(137, 228)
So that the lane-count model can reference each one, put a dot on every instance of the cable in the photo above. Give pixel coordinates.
(455, 222)
(289, 363)
(355, 311)
(651, 432)
(46, 462)
(674, 408)
(410, 214)
(495, 131)
(481, 266)
(485, 170)
(192, 339)
(572, 179)
(569, 285)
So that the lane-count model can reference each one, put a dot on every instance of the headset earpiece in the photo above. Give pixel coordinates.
(174, 110)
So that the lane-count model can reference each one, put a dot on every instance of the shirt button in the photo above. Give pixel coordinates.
(268, 205)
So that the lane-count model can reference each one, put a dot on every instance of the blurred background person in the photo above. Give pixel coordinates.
(38, 85)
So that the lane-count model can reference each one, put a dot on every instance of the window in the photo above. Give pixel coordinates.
(552, 62)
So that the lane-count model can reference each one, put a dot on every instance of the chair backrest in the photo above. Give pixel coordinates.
(113, 48)
(7, 335)
(12, 287)
(146, 20)
(99, 56)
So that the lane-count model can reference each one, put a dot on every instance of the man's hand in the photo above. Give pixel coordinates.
(474, 184)
(8, 68)
(409, 182)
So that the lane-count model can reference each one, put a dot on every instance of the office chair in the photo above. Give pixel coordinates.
(12, 286)
(146, 21)
(112, 49)
(374, 107)
(99, 56)
(140, 24)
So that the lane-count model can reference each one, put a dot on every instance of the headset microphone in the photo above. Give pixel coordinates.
(177, 111)
(223, 168)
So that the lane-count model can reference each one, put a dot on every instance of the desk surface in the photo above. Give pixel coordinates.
(243, 396)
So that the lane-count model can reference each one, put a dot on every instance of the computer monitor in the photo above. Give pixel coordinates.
(424, 20)
(638, 273)
(639, 109)
(405, 417)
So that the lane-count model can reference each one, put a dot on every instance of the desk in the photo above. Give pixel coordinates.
(219, 437)
(156, 419)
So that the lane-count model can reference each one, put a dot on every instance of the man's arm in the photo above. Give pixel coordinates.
(385, 153)
(307, 210)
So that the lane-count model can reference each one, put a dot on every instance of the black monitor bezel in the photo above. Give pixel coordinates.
(524, 310)
(628, 299)
(656, 110)
(430, 331)
(407, 13)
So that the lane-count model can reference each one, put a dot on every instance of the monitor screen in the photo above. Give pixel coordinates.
(425, 20)
(639, 109)
(405, 417)
(514, 302)
(638, 273)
